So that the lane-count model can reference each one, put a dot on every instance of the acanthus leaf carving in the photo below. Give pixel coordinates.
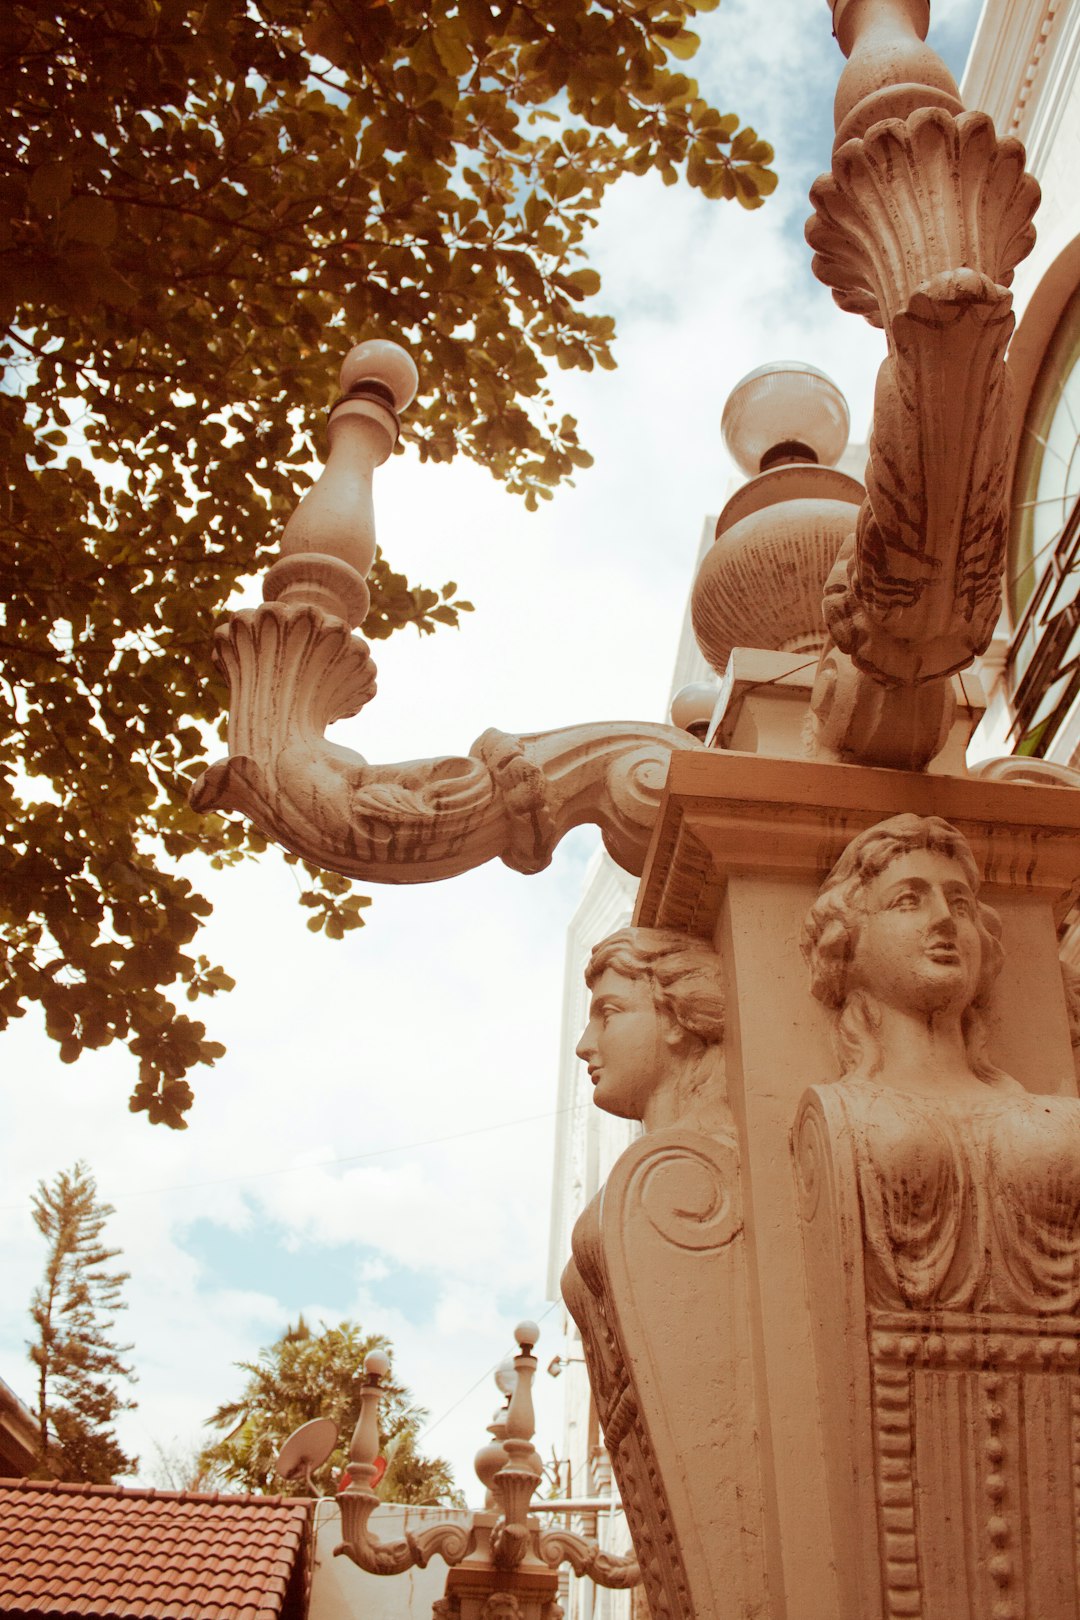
(612, 1570)
(916, 197)
(295, 668)
(923, 585)
(663, 1244)
(452, 1542)
(919, 228)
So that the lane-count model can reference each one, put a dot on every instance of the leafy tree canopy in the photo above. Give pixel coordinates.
(78, 1364)
(306, 1375)
(204, 203)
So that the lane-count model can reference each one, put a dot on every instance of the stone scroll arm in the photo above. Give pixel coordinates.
(614, 1570)
(452, 1542)
(918, 227)
(292, 670)
(294, 666)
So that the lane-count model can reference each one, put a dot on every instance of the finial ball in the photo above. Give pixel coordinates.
(379, 360)
(692, 708)
(785, 411)
(526, 1333)
(376, 1363)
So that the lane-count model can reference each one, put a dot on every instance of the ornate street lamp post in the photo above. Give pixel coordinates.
(830, 1299)
(502, 1565)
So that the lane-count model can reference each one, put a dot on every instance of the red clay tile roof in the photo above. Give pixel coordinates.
(102, 1553)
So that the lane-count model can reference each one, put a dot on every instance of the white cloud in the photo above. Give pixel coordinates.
(439, 1020)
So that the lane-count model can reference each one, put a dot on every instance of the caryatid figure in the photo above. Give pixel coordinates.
(902, 949)
(940, 1202)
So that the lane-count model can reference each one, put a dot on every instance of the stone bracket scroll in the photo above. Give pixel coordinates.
(919, 228)
(452, 1542)
(658, 1289)
(294, 668)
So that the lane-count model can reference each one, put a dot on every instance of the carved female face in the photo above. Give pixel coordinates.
(628, 1044)
(918, 946)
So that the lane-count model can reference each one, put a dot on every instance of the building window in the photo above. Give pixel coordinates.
(1044, 574)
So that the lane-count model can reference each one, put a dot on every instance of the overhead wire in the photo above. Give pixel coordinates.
(423, 1433)
(323, 1164)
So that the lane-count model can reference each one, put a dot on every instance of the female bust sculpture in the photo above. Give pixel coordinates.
(968, 1185)
(940, 1203)
(654, 1040)
(899, 945)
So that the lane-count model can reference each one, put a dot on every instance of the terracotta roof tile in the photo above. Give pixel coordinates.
(99, 1552)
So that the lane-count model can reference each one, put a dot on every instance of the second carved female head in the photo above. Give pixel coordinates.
(898, 923)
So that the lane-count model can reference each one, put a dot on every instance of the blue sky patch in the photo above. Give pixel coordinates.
(269, 1259)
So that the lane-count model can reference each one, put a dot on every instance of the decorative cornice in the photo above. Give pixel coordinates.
(725, 812)
(1006, 57)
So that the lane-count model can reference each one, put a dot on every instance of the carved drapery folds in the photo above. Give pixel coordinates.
(941, 1229)
(657, 1286)
(293, 669)
(943, 1260)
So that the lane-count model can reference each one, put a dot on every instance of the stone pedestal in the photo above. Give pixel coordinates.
(475, 1592)
(740, 848)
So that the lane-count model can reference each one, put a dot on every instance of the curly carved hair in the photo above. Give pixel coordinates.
(831, 930)
(683, 973)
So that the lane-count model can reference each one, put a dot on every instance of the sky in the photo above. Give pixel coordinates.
(377, 1143)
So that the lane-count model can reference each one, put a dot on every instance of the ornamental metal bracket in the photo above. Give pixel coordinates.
(294, 667)
(500, 1545)
(452, 1542)
(919, 228)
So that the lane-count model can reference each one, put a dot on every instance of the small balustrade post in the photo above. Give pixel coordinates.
(328, 545)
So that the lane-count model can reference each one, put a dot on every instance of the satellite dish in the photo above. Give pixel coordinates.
(307, 1448)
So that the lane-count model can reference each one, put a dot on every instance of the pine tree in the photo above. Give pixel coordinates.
(77, 1361)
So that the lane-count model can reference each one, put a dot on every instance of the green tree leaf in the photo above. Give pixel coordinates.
(204, 206)
(307, 1374)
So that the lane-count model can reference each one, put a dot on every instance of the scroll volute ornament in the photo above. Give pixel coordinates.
(919, 227)
(658, 1284)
